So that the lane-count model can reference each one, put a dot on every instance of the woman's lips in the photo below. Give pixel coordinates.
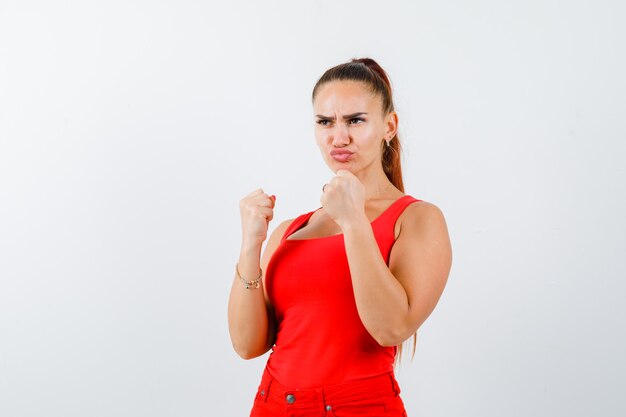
(341, 155)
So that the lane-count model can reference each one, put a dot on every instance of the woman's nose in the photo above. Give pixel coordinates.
(341, 136)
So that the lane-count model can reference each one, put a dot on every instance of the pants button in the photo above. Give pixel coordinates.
(328, 408)
(290, 398)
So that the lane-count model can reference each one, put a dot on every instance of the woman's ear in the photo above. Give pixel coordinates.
(391, 122)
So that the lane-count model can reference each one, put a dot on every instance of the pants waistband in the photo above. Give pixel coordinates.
(384, 385)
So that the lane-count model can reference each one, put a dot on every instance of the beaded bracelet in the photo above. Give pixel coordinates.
(249, 284)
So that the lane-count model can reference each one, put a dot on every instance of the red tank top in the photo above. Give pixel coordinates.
(320, 339)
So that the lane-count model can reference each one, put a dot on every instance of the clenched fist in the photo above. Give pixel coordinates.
(257, 210)
(343, 198)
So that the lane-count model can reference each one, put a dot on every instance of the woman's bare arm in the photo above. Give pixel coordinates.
(251, 320)
(393, 301)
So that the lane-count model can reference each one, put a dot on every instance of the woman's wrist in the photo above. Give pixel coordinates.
(251, 246)
(249, 258)
(355, 223)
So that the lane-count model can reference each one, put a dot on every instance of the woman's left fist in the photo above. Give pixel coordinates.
(343, 198)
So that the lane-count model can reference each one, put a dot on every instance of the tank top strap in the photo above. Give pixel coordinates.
(397, 207)
(296, 224)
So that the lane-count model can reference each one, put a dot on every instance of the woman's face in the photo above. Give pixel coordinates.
(350, 127)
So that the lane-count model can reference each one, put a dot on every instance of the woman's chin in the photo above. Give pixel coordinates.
(336, 166)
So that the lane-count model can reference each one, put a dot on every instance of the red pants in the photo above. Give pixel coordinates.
(370, 397)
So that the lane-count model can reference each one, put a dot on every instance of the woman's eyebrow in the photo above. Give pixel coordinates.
(346, 117)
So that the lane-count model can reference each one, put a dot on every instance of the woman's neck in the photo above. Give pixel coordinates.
(377, 186)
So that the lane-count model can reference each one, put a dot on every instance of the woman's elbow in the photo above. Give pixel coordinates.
(248, 352)
(246, 355)
(388, 338)
(388, 341)
(393, 336)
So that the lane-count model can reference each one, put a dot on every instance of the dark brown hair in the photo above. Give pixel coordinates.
(367, 71)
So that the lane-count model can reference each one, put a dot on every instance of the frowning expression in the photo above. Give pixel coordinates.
(349, 126)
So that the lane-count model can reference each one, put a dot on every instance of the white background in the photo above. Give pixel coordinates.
(129, 130)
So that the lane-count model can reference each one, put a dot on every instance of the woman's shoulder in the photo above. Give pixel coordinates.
(282, 227)
(274, 241)
(421, 208)
(420, 214)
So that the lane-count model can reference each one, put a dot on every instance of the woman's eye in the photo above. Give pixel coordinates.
(323, 122)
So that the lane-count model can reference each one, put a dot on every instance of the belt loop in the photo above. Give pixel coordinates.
(324, 405)
(265, 388)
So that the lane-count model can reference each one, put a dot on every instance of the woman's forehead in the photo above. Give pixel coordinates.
(348, 96)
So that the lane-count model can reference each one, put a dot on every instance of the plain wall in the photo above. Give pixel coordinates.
(129, 130)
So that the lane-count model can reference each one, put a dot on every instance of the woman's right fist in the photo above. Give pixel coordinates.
(257, 210)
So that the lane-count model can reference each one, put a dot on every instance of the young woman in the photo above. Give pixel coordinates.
(339, 289)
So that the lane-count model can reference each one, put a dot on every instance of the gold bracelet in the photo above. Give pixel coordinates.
(249, 284)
